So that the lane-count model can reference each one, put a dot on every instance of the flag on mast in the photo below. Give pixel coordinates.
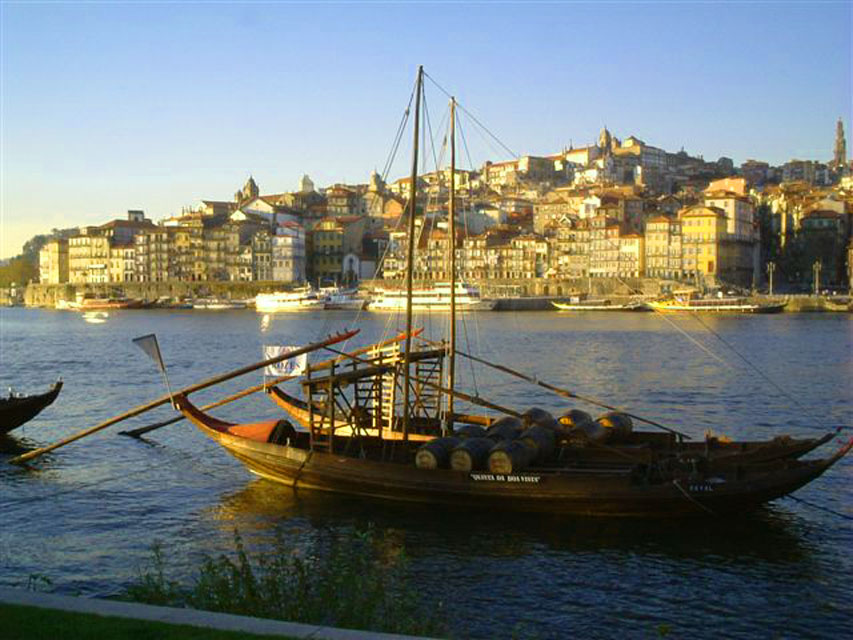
(151, 347)
(290, 367)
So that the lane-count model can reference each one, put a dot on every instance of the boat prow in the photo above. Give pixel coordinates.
(17, 410)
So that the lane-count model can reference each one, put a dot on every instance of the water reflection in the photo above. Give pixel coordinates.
(767, 535)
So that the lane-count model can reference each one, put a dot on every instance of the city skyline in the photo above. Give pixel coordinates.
(154, 106)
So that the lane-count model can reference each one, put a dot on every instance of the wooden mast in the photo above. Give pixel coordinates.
(451, 365)
(410, 258)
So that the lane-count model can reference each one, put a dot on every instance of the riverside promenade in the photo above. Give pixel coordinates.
(187, 617)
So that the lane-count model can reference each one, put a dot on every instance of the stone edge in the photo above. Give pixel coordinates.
(191, 617)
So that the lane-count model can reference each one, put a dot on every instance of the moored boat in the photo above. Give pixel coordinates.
(217, 304)
(302, 299)
(91, 303)
(715, 305)
(16, 410)
(435, 298)
(597, 305)
(335, 299)
(367, 467)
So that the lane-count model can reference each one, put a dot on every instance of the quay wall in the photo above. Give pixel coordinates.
(46, 295)
(535, 294)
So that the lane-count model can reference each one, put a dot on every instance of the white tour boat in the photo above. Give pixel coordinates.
(436, 298)
(302, 299)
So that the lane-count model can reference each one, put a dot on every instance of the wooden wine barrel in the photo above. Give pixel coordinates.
(471, 454)
(584, 433)
(536, 416)
(575, 418)
(510, 457)
(618, 423)
(435, 453)
(470, 431)
(541, 439)
(507, 428)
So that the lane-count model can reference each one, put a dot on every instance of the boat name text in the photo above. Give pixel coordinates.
(497, 477)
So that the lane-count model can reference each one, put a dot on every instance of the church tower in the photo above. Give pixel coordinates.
(306, 185)
(250, 191)
(605, 141)
(839, 159)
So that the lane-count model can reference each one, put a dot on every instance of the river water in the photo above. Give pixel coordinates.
(85, 516)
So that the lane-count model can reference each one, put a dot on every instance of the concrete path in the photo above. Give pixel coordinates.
(192, 617)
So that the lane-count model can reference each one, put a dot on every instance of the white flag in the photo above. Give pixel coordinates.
(291, 367)
(149, 345)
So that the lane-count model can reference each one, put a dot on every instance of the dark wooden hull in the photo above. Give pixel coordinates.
(16, 411)
(615, 492)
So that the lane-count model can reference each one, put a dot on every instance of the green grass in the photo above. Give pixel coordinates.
(354, 580)
(32, 623)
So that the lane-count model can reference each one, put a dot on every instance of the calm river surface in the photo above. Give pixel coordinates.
(85, 516)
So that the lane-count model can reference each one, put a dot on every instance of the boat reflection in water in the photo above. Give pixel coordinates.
(768, 535)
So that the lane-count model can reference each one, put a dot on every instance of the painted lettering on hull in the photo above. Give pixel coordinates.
(498, 477)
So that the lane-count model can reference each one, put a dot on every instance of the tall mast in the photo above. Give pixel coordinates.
(410, 258)
(451, 215)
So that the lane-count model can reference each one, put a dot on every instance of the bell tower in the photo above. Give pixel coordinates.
(839, 158)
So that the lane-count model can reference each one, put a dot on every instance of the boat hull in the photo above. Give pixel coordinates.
(612, 493)
(17, 411)
(604, 492)
(666, 307)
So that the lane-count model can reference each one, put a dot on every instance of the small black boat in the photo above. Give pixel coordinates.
(15, 410)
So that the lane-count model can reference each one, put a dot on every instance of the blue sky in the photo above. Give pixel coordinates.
(115, 106)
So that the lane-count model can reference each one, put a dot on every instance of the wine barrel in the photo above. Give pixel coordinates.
(541, 439)
(619, 424)
(435, 453)
(470, 431)
(536, 416)
(510, 457)
(575, 418)
(471, 454)
(584, 433)
(507, 428)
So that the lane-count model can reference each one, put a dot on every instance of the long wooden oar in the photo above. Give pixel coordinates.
(187, 390)
(568, 394)
(135, 433)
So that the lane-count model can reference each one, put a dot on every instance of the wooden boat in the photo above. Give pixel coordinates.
(88, 303)
(368, 467)
(367, 415)
(715, 305)
(15, 410)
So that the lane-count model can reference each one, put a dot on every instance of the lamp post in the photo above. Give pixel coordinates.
(771, 267)
(816, 268)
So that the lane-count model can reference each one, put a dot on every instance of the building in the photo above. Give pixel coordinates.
(53, 262)
(287, 254)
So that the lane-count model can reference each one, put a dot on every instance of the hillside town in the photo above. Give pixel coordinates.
(616, 208)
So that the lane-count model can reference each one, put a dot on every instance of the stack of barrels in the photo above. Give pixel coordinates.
(510, 445)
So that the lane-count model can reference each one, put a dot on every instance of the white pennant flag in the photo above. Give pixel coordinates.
(291, 367)
(151, 348)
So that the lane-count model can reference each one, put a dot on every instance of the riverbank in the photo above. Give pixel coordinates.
(533, 295)
(32, 614)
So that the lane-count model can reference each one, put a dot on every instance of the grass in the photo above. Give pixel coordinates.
(33, 623)
(352, 580)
